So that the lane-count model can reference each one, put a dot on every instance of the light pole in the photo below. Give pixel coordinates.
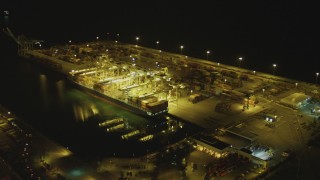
(157, 44)
(274, 68)
(108, 35)
(208, 52)
(118, 37)
(69, 45)
(240, 59)
(137, 39)
(181, 47)
(317, 74)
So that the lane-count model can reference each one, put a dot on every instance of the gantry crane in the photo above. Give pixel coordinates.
(24, 43)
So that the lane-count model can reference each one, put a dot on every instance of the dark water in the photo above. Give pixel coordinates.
(52, 105)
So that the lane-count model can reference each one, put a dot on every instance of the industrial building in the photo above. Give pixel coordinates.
(211, 145)
(295, 100)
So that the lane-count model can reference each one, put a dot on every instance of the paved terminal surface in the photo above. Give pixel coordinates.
(204, 115)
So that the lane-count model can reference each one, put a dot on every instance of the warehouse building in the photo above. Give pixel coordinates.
(295, 100)
(211, 145)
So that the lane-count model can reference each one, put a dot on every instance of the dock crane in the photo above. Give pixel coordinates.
(24, 43)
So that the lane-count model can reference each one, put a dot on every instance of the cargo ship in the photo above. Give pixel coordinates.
(147, 106)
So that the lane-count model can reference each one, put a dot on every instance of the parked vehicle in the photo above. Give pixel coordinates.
(194, 98)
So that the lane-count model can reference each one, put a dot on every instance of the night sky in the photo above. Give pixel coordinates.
(284, 32)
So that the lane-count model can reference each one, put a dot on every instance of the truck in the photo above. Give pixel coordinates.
(194, 98)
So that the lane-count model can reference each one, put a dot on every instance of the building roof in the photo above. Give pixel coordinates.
(236, 141)
(211, 141)
(242, 132)
(294, 99)
(248, 151)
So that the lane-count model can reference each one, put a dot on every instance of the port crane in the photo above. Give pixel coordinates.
(24, 43)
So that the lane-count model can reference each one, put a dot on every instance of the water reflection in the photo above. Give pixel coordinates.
(60, 85)
(44, 89)
(82, 111)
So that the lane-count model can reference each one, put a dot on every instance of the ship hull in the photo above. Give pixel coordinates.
(119, 103)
